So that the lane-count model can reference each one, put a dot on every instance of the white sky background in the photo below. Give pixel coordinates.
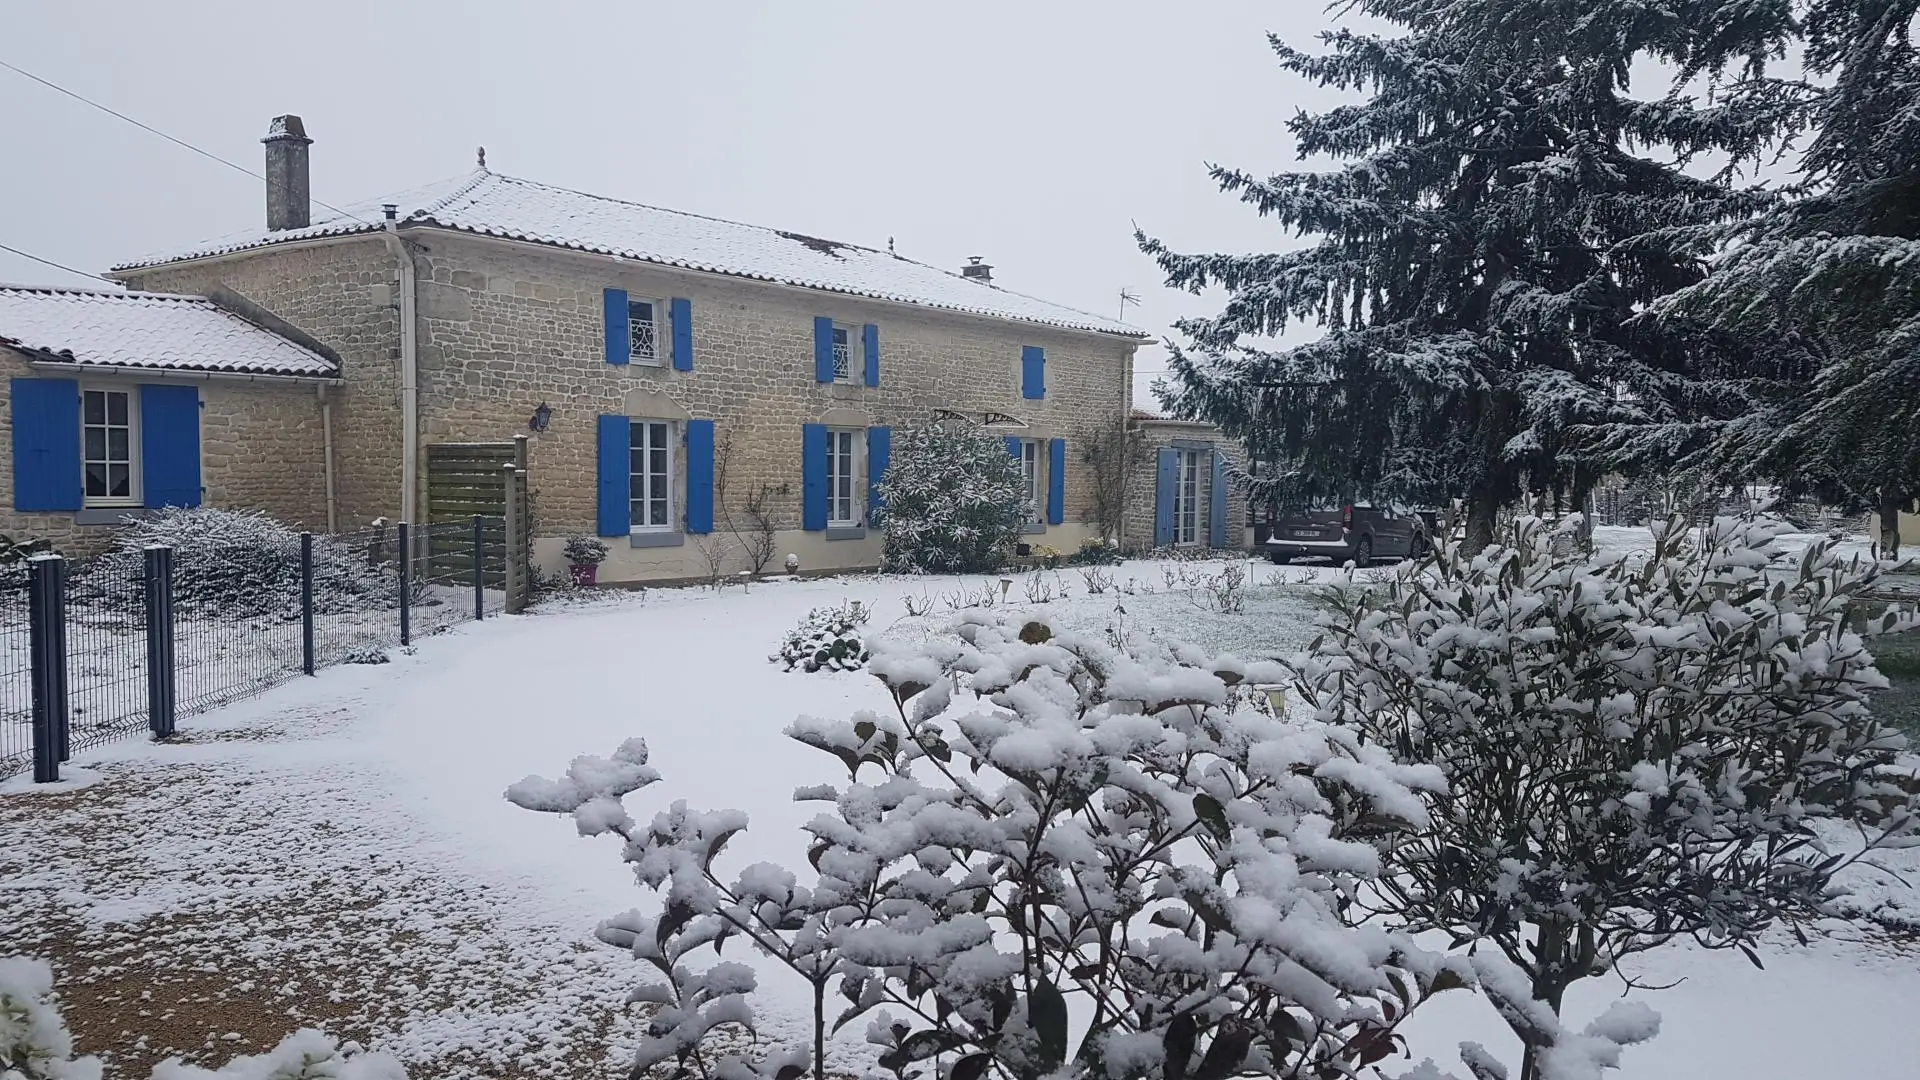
(1033, 134)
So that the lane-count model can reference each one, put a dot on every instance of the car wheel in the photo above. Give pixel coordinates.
(1418, 549)
(1363, 551)
(1278, 559)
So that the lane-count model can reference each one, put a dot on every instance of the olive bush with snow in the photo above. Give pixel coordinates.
(954, 501)
(1635, 750)
(36, 1045)
(1057, 855)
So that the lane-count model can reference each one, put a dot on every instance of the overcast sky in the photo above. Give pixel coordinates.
(1034, 134)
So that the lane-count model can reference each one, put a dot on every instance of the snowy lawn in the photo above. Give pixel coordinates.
(339, 851)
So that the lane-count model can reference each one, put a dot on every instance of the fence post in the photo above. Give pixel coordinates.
(306, 602)
(406, 584)
(160, 653)
(479, 579)
(515, 550)
(46, 604)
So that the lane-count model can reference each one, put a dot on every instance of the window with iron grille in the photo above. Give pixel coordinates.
(651, 475)
(642, 331)
(842, 354)
(109, 424)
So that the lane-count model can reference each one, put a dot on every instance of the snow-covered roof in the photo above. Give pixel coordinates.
(490, 204)
(148, 330)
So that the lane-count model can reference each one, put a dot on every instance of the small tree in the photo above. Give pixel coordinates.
(955, 501)
(1113, 451)
(1047, 818)
(756, 534)
(1635, 751)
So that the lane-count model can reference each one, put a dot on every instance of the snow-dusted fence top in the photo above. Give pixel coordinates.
(204, 607)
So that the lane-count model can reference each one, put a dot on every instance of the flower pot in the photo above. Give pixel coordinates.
(585, 574)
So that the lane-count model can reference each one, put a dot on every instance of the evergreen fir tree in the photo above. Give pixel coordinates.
(1829, 283)
(1499, 217)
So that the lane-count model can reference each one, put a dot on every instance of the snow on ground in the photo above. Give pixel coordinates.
(340, 851)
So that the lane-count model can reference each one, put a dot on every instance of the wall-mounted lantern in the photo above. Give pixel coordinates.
(542, 417)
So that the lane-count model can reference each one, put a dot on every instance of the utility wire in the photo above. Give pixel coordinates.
(156, 131)
(55, 265)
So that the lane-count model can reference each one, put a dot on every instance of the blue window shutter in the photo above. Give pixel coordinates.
(879, 453)
(870, 345)
(813, 477)
(1217, 505)
(1033, 372)
(699, 476)
(822, 351)
(46, 444)
(1056, 481)
(616, 468)
(1167, 476)
(169, 446)
(1013, 446)
(619, 339)
(680, 314)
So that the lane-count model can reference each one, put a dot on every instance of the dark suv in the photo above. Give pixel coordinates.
(1358, 533)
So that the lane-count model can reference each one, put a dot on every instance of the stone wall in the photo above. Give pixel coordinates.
(508, 327)
(1138, 533)
(260, 449)
(326, 289)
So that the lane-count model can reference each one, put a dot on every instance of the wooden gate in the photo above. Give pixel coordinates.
(487, 481)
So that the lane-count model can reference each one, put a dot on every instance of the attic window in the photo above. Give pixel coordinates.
(824, 247)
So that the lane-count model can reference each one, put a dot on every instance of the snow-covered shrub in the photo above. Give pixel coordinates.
(827, 639)
(1043, 819)
(1635, 750)
(582, 550)
(242, 564)
(955, 502)
(36, 1045)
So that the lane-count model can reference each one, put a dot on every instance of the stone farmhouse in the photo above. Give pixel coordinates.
(677, 376)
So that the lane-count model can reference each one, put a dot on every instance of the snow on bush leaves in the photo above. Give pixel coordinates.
(954, 501)
(241, 564)
(1045, 817)
(1635, 750)
(36, 1045)
(827, 639)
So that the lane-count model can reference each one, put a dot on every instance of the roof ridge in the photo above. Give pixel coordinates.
(703, 217)
(111, 294)
(479, 176)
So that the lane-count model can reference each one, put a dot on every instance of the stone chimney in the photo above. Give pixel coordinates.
(289, 199)
(976, 270)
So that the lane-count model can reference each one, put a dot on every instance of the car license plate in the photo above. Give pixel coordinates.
(1308, 533)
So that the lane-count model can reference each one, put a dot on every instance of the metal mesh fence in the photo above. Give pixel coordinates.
(106, 627)
(236, 620)
(16, 672)
(248, 613)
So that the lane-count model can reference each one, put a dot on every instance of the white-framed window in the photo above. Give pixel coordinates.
(1030, 477)
(643, 331)
(109, 437)
(1192, 496)
(843, 452)
(843, 339)
(651, 475)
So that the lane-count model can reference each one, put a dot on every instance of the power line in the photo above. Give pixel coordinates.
(55, 265)
(209, 155)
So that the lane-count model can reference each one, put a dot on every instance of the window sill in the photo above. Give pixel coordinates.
(110, 515)
(846, 532)
(660, 539)
(1033, 529)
